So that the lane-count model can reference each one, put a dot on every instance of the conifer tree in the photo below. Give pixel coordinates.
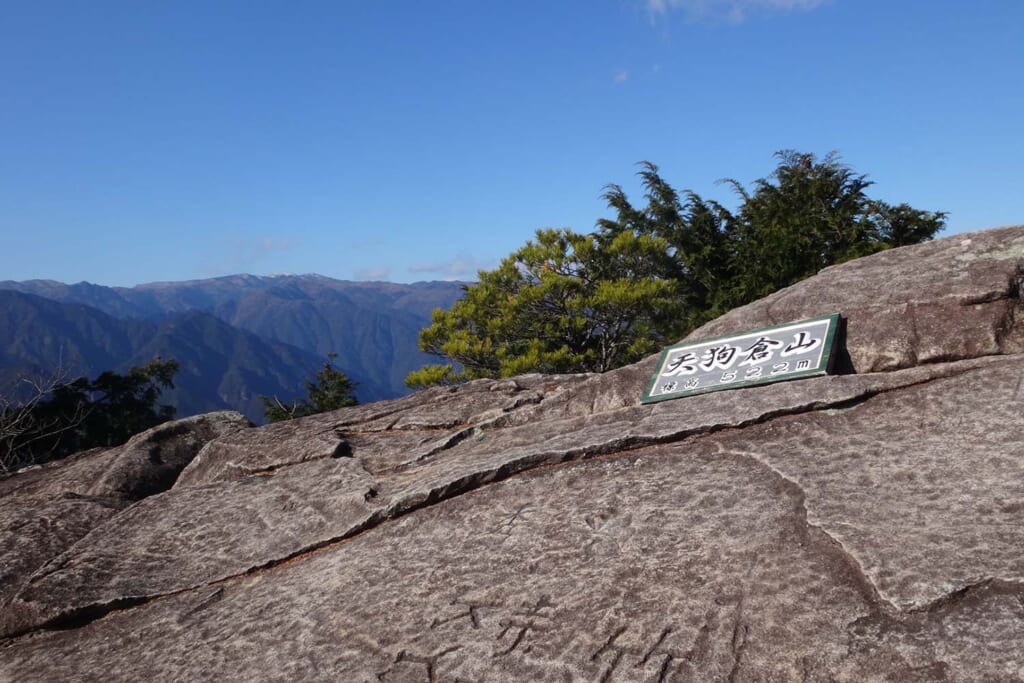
(331, 389)
(570, 302)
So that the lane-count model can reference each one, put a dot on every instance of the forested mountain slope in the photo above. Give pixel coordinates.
(220, 365)
(236, 337)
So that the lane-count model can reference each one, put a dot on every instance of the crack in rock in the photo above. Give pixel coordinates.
(527, 461)
(443, 445)
(883, 609)
(869, 591)
(978, 589)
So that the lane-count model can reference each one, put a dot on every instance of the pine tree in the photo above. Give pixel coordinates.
(570, 302)
(331, 389)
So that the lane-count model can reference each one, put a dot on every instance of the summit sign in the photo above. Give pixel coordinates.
(771, 354)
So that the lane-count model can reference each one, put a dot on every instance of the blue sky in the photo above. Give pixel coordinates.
(412, 140)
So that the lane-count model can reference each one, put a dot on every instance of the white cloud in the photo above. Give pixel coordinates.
(733, 11)
(459, 268)
(621, 76)
(373, 273)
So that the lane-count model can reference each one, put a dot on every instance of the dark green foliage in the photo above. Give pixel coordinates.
(808, 214)
(572, 303)
(331, 390)
(57, 418)
(698, 237)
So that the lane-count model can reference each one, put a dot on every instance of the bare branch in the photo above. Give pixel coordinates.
(22, 426)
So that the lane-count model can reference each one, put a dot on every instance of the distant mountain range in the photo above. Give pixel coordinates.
(236, 338)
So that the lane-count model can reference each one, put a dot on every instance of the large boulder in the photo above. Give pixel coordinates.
(865, 525)
(45, 510)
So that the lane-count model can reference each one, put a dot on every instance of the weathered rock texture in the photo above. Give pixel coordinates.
(866, 526)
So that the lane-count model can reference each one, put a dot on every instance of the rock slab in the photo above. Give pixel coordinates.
(864, 526)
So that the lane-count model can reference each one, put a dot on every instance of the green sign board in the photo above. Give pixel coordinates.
(771, 354)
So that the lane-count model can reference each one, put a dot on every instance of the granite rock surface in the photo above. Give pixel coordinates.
(862, 526)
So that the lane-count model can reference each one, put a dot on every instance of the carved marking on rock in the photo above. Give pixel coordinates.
(530, 618)
(644, 656)
(610, 646)
(515, 643)
(470, 611)
(656, 651)
(661, 639)
(604, 526)
(507, 527)
(429, 662)
(607, 675)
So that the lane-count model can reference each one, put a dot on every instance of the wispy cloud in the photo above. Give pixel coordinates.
(269, 244)
(373, 273)
(621, 76)
(459, 268)
(733, 11)
(369, 242)
(241, 254)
